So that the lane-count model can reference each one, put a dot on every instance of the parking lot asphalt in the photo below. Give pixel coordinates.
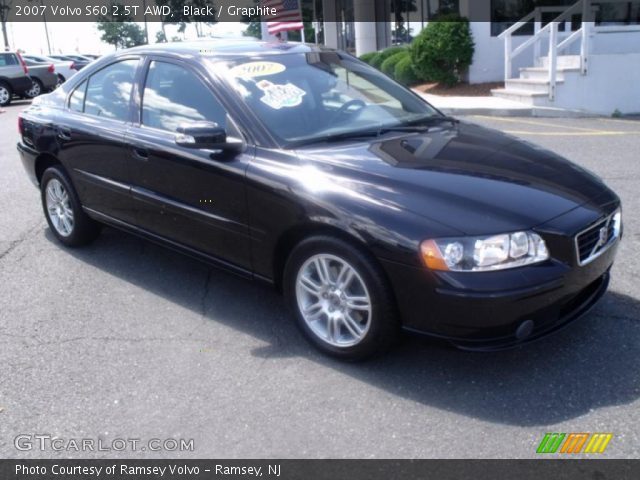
(124, 339)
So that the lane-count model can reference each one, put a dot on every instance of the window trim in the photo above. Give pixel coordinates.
(206, 82)
(85, 82)
(88, 77)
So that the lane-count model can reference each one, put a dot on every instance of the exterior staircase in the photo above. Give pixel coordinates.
(577, 65)
(533, 85)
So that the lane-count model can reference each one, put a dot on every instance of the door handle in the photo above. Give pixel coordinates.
(64, 133)
(140, 153)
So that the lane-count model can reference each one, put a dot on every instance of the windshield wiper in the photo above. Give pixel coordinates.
(431, 119)
(373, 132)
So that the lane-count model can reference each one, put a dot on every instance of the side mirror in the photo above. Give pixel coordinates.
(206, 135)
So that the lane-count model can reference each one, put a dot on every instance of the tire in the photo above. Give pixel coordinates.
(63, 211)
(325, 311)
(5, 94)
(36, 89)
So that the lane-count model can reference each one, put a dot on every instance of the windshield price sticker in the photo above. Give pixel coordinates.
(280, 96)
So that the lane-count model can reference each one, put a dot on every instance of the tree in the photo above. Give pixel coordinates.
(121, 34)
(398, 7)
(177, 16)
(5, 8)
(253, 29)
(120, 31)
(443, 50)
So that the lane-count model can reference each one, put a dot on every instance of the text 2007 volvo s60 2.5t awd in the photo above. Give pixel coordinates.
(308, 169)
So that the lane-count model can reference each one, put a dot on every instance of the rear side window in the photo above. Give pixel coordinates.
(7, 59)
(174, 95)
(76, 102)
(109, 91)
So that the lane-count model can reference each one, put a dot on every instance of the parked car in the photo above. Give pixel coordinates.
(14, 77)
(303, 167)
(79, 63)
(44, 78)
(91, 57)
(64, 68)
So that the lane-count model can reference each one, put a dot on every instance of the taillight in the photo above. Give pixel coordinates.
(24, 65)
(73, 66)
(20, 125)
(52, 68)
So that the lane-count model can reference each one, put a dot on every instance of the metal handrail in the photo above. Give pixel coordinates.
(551, 28)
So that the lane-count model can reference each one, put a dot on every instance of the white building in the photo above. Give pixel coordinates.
(592, 64)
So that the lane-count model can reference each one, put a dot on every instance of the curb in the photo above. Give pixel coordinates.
(519, 112)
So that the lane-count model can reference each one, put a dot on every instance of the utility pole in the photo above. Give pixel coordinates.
(4, 13)
(46, 29)
(146, 28)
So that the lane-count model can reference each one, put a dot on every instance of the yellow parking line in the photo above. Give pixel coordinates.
(539, 124)
(593, 133)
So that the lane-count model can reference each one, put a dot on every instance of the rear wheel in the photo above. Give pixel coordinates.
(5, 94)
(68, 222)
(340, 298)
(36, 89)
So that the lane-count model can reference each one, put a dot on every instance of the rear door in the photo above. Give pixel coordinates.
(91, 139)
(191, 196)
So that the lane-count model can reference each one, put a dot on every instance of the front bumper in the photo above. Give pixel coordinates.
(502, 309)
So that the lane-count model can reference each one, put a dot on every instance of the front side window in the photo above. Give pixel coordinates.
(307, 96)
(174, 95)
(109, 91)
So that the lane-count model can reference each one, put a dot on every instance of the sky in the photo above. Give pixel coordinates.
(83, 37)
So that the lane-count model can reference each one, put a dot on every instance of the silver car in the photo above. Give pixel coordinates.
(14, 77)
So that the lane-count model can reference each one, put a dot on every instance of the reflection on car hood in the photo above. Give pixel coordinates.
(455, 174)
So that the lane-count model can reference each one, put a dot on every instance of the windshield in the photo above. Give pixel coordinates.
(306, 97)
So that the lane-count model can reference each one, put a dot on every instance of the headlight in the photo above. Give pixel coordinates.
(481, 254)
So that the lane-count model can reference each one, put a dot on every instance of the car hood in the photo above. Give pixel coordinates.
(470, 178)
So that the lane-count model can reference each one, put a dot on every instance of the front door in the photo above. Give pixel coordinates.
(188, 195)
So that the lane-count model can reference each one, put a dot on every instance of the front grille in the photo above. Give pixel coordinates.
(593, 241)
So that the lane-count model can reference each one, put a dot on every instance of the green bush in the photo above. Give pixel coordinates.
(389, 65)
(380, 57)
(443, 50)
(404, 72)
(368, 56)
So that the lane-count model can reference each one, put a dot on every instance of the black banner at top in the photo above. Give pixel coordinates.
(210, 11)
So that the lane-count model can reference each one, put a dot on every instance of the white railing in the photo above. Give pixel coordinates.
(581, 7)
(558, 41)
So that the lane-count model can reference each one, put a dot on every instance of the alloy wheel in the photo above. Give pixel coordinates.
(35, 90)
(333, 300)
(5, 96)
(59, 208)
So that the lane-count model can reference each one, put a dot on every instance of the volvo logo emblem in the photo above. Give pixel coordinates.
(604, 234)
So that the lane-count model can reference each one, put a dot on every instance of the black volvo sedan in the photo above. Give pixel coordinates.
(303, 167)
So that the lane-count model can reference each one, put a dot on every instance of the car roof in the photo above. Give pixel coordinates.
(213, 48)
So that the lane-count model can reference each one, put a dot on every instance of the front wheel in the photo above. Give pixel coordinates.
(340, 297)
(5, 94)
(62, 208)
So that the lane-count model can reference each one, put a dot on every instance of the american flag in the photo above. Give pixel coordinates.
(288, 16)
